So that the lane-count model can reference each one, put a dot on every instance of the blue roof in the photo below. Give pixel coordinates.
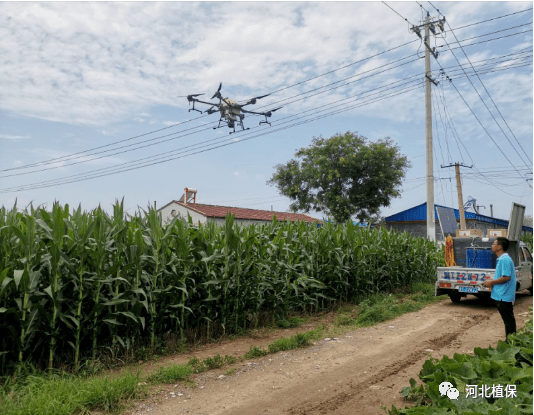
(418, 213)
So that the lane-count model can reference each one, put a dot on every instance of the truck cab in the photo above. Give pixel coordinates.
(476, 264)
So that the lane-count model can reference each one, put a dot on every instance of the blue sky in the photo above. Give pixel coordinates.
(90, 89)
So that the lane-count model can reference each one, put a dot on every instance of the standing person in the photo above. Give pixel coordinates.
(503, 285)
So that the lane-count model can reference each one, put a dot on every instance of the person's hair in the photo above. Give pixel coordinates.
(504, 242)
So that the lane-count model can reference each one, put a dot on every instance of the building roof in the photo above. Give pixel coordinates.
(213, 211)
(418, 213)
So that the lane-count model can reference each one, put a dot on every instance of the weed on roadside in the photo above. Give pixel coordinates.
(230, 371)
(63, 394)
(294, 342)
(172, 374)
(255, 352)
(290, 322)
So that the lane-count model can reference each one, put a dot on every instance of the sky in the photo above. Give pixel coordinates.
(93, 107)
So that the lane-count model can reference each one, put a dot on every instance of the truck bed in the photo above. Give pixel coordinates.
(465, 280)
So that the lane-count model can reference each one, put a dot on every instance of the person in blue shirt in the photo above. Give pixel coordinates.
(503, 284)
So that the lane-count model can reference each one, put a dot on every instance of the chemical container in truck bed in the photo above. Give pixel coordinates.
(475, 263)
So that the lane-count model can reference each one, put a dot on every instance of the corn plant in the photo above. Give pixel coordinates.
(87, 282)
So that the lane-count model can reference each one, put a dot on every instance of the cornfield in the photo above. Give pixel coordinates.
(74, 283)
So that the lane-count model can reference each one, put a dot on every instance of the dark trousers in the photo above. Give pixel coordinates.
(506, 310)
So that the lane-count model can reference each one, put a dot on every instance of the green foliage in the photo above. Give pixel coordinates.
(76, 286)
(294, 342)
(230, 371)
(344, 175)
(255, 352)
(53, 394)
(290, 322)
(527, 238)
(507, 364)
(170, 374)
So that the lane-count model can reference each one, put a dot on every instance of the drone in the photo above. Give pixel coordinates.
(232, 113)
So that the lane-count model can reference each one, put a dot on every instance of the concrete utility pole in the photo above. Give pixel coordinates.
(430, 213)
(460, 196)
(430, 219)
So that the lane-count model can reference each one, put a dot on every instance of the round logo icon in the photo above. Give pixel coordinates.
(453, 393)
(447, 388)
(444, 387)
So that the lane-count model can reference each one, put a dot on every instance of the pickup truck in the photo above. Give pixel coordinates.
(467, 277)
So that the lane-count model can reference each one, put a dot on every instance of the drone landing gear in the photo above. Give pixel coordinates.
(244, 129)
(194, 109)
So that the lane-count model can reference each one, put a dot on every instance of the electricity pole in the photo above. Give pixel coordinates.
(459, 189)
(429, 25)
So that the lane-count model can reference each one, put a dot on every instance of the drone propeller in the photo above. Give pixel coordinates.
(218, 93)
(270, 112)
(189, 97)
(253, 100)
(211, 110)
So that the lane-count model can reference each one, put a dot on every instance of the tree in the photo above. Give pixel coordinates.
(526, 237)
(527, 220)
(344, 175)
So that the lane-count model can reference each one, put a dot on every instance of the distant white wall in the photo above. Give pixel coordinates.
(222, 221)
(180, 211)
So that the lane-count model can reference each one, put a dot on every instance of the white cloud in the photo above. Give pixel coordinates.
(169, 123)
(97, 63)
(14, 137)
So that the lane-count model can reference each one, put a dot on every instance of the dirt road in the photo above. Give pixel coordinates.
(356, 373)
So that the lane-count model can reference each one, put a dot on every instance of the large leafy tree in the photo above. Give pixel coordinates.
(344, 176)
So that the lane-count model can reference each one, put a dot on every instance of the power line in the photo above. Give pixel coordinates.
(484, 41)
(458, 140)
(397, 13)
(183, 135)
(57, 159)
(422, 8)
(487, 34)
(329, 105)
(488, 20)
(250, 137)
(482, 102)
(223, 143)
(489, 95)
(217, 138)
(81, 153)
(174, 136)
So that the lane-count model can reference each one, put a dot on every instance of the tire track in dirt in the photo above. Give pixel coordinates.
(346, 398)
(356, 374)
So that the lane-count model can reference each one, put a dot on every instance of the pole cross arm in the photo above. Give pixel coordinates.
(454, 164)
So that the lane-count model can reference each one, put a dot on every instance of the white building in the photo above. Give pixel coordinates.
(201, 213)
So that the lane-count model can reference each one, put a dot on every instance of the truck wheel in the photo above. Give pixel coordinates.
(455, 297)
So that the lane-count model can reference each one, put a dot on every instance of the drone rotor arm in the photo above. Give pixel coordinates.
(252, 112)
(212, 110)
(207, 103)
